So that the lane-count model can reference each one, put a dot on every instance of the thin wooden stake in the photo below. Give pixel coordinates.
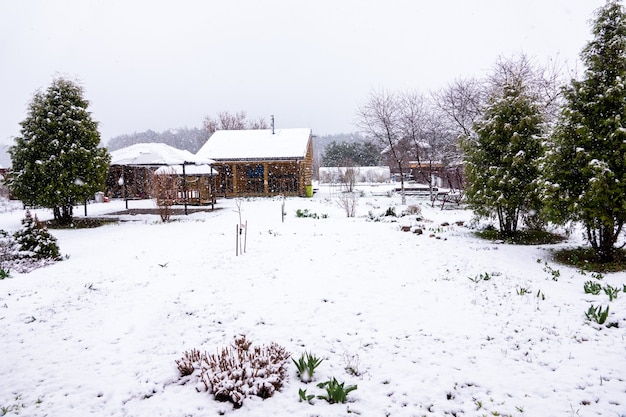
(282, 210)
(245, 237)
(236, 240)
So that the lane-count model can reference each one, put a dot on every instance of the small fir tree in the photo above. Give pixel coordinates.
(56, 160)
(586, 163)
(35, 241)
(501, 159)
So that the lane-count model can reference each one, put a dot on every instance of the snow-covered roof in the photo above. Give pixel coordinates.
(153, 154)
(259, 144)
(189, 170)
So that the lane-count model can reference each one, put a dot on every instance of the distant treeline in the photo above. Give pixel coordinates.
(185, 138)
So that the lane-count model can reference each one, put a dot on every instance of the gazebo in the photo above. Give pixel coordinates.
(198, 182)
(131, 170)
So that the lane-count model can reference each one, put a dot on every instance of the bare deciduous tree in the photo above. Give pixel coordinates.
(349, 177)
(461, 103)
(543, 82)
(232, 121)
(380, 118)
(438, 147)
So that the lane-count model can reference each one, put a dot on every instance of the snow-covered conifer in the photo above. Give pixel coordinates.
(35, 241)
(56, 160)
(586, 162)
(501, 159)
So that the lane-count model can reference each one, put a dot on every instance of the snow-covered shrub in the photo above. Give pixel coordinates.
(8, 246)
(239, 371)
(412, 210)
(29, 248)
(35, 241)
(191, 361)
(8, 251)
(348, 202)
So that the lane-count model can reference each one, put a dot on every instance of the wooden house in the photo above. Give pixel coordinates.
(262, 162)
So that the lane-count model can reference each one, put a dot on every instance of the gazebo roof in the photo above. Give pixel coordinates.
(189, 170)
(154, 154)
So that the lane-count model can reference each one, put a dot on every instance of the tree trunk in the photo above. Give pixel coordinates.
(508, 219)
(63, 215)
(402, 192)
(602, 238)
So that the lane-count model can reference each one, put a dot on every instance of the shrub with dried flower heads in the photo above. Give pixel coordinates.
(163, 190)
(238, 371)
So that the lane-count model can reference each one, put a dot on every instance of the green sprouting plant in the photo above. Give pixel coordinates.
(336, 393)
(304, 396)
(596, 314)
(306, 366)
(480, 277)
(522, 291)
(307, 213)
(303, 213)
(611, 292)
(390, 212)
(592, 287)
(597, 275)
(554, 272)
(13, 408)
(5, 273)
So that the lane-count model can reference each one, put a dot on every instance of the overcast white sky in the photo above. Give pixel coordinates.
(153, 64)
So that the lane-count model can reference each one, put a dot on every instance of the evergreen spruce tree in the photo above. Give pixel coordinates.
(35, 241)
(501, 159)
(586, 163)
(56, 160)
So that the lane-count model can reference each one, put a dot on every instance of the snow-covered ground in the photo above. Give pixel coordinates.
(99, 333)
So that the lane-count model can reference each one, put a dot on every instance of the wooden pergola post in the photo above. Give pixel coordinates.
(265, 179)
(235, 179)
